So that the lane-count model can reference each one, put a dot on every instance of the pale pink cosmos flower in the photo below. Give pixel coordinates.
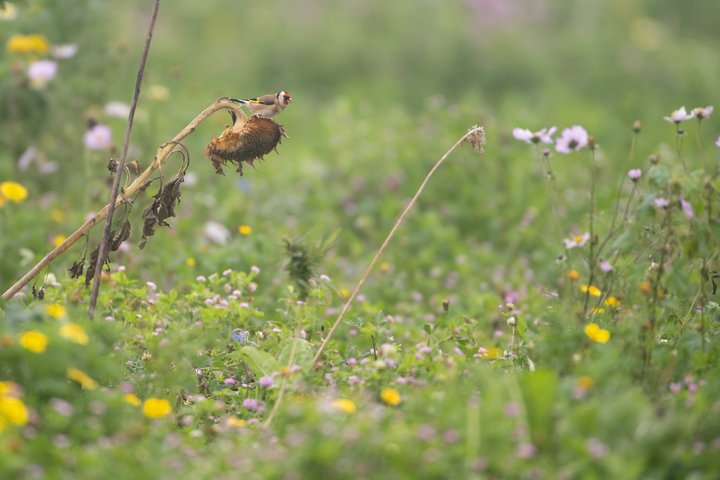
(572, 139)
(41, 72)
(254, 269)
(544, 135)
(577, 241)
(678, 116)
(98, 137)
(701, 113)
(635, 174)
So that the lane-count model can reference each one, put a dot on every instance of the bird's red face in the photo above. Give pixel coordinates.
(285, 98)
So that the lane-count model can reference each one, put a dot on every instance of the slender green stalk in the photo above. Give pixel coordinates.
(702, 154)
(591, 258)
(678, 145)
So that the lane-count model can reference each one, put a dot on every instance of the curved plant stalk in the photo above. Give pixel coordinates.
(475, 137)
(162, 156)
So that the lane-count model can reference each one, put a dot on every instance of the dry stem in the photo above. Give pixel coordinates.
(121, 166)
(385, 243)
(162, 156)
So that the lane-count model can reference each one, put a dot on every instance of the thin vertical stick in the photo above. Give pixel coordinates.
(387, 240)
(121, 166)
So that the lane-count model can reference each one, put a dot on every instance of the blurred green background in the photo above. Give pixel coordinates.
(381, 90)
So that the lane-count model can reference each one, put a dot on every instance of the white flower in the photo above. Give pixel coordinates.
(679, 115)
(572, 139)
(98, 137)
(8, 12)
(64, 51)
(527, 136)
(217, 232)
(255, 270)
(577, 241)
(117, 110)
(701, 113)
(41, 72)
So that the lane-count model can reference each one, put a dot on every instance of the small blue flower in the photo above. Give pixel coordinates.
(238, 335)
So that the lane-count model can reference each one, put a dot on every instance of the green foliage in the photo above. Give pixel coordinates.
(473, 350)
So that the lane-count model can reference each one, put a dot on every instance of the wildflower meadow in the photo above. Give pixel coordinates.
(360, 240)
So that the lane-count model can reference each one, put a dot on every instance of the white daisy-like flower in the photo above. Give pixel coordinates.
(98, 137)
(41, 72)
(572, 139)
(117, 110)
(544, 135)
(679, 115)
(577, 241)
(701, 113)
(8, 11)
(64, 51)
(217, 232)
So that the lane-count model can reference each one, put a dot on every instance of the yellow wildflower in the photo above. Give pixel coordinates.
(384, 267)
(74, 333)
(82, 378)
(132, 399)
(645, 288)
(390, 396)
(57, 240)
(348, 406)
(34, 341)
(597, 310)
(612, 302)
(492, 352)
(345, 292)
(13, 410)
(158, 93)
(245, 230)
(56, 311)
(13, 191)
(20, 44)
(593, 291)
(156, 407)
(573, 275)
(190, 262)
(585, 382)
(596, 333)
(235, 422)
(57, 215)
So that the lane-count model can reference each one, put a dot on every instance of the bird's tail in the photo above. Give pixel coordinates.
(240, 101)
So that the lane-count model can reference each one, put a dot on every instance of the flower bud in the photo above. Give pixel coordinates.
(511, 322)
(446, 305)
(637, 126)
(654, 159)
(510, 306)
(591, 142)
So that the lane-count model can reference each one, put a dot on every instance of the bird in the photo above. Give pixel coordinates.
(267, 105)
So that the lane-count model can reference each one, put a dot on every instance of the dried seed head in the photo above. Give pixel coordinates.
(654, 159)
(446, 305)
(476, 139)
(591, 142)
(112, 165)
(245, 142)
(637, 126)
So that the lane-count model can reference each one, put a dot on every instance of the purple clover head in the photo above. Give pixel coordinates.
(266, 382)
(686, 207)
(250, 404)
(635, 174)
(661, 203)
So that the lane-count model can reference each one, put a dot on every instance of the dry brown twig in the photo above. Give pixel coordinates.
(162, 156)
(476, 138)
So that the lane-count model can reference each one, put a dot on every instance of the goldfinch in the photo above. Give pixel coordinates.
(267, 105)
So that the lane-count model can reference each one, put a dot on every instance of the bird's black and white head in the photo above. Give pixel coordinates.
(284, 98)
